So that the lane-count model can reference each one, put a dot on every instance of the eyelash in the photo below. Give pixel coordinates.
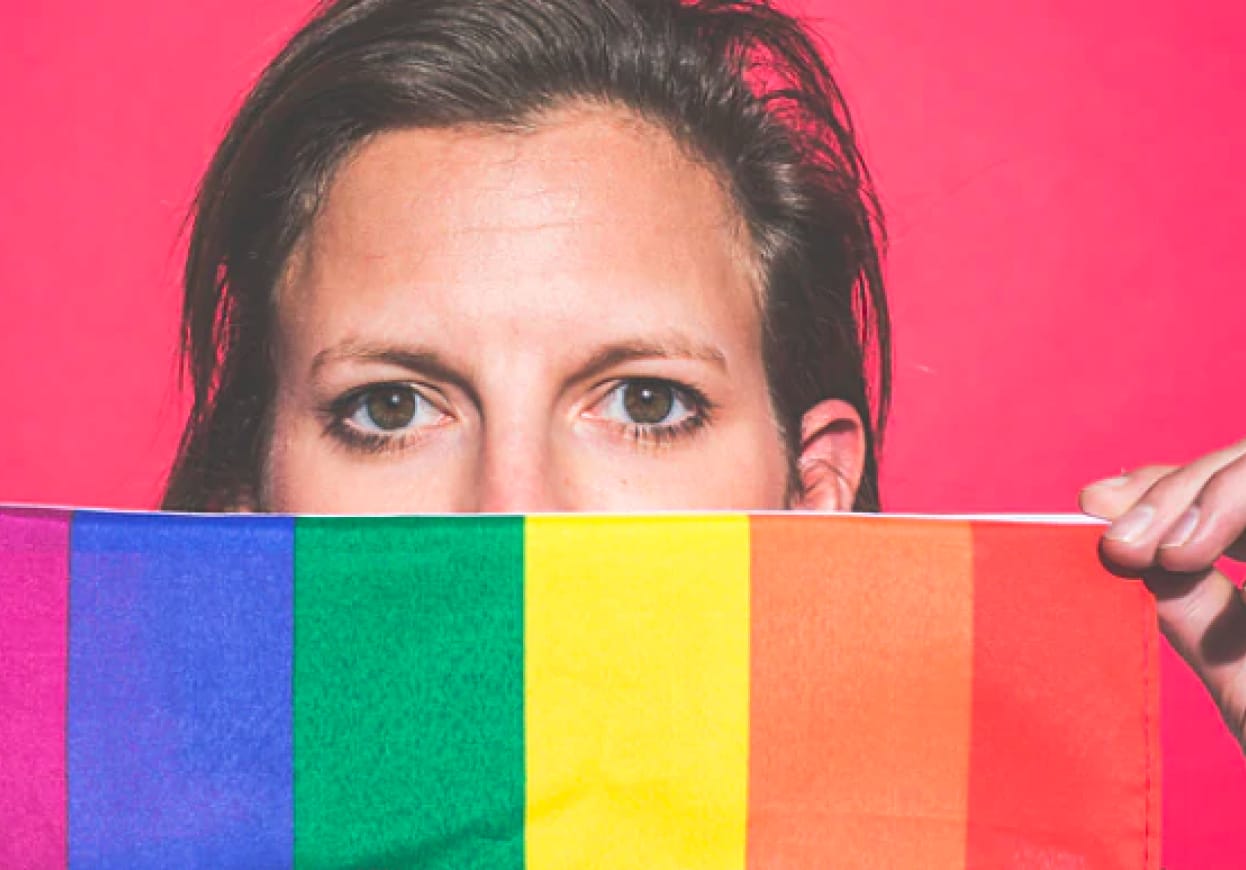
(365, 442)
(340, 410)
(659, 435)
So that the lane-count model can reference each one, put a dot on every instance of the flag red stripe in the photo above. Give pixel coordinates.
(1061, 642)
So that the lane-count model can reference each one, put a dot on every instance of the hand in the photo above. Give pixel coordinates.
(1170, 524)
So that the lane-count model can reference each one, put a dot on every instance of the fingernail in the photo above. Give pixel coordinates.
(1183, 529)
(1132, 525)
(1110, 483)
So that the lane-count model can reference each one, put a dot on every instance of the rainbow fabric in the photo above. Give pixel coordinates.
(712, 691)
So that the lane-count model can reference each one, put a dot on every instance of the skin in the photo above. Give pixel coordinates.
(506, 292)
(1170, 526)
(523, 285)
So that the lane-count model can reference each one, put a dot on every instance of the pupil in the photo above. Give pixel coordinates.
(392, 408)
(648, 402)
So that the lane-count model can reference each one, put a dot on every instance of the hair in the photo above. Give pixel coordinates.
(737, 82)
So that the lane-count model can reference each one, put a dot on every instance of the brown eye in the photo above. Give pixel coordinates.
(652, 410)
(384, 416)
(391, 407)
(648, 402)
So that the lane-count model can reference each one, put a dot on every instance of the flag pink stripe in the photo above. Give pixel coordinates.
(34, 587)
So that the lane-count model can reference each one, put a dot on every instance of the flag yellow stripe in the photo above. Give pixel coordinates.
(636, 691)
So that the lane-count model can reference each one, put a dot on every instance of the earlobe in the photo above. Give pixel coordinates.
(832, 457)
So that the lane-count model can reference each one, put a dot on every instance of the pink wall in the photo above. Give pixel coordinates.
(1065, 201)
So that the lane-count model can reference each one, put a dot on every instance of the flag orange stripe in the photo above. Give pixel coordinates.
(862, 634)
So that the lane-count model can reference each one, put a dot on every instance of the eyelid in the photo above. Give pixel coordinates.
(339, 426)
(700, 409)
(425, 392)
(690, 392)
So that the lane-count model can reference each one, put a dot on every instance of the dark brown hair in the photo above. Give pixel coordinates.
(740, 83)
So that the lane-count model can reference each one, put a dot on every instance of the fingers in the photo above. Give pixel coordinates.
(1214, 525)
(1181, 519)
(1170, 525)
(1203, 615)
(1110, 498)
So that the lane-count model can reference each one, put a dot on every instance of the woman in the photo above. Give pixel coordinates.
(457, 255)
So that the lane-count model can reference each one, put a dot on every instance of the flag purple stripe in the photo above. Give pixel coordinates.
(34, 583)
(179, 727)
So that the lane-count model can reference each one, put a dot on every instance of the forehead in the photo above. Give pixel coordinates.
(589, 210)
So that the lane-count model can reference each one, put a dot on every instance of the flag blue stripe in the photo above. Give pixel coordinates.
(180, 714)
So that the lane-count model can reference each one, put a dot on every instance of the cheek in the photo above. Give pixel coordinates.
(301, 473)
(303, 478)
(744, 469)
(293, 478)
(760, 470)
(756, 475)
(305, 471)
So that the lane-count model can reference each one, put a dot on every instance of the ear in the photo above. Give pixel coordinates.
(832, 456)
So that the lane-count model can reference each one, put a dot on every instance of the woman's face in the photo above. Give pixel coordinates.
(562, 319)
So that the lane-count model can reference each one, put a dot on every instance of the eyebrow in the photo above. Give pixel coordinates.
(432, 364)
(674, 347)
(413, 359)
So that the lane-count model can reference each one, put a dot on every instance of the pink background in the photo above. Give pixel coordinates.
(1065, 199)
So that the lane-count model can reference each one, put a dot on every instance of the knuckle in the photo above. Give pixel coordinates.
(1147, 476)
(1223, 504)
(1199, 608)
(1170, 487)
(1227, 487)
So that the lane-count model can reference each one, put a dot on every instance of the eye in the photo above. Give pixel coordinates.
(385, 410)
(652, 409)
(650, 403)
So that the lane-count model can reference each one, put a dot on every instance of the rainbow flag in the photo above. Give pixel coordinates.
(709, 691)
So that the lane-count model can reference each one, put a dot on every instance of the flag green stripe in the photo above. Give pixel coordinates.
(408, 692)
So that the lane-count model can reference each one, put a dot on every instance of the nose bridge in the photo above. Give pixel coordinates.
(517, 475)
(518, 466)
